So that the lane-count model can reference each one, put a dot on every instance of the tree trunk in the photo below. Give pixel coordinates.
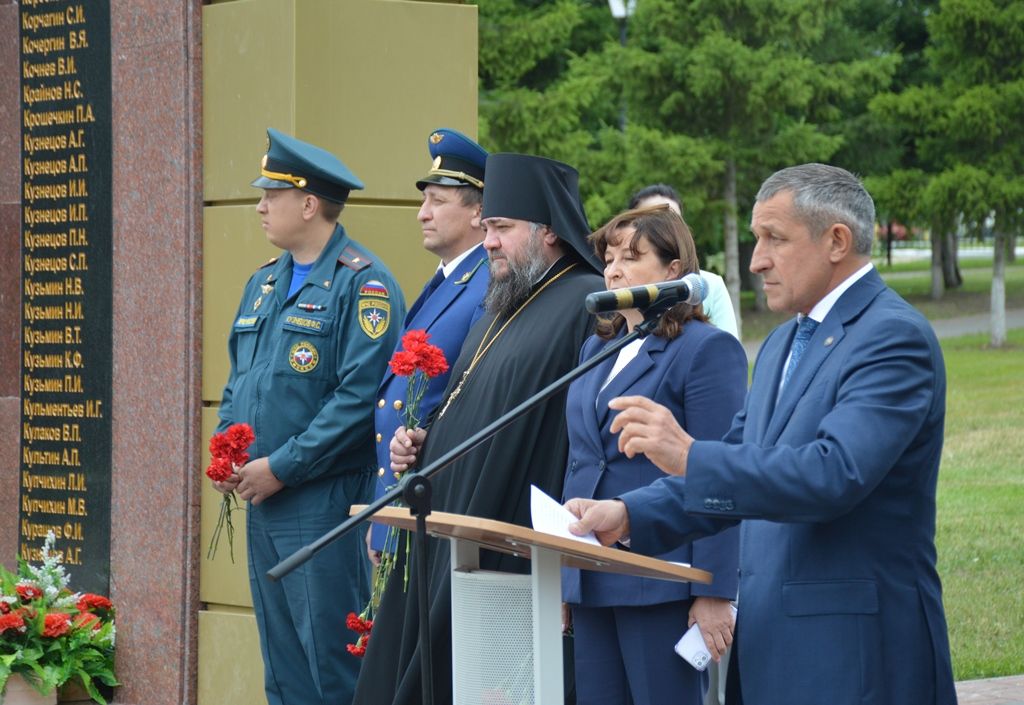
(732, 248)
(998, 305)
(938, 283)
(950, 266)
(888, 244)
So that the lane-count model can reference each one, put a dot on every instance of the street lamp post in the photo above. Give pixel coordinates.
(621, 11)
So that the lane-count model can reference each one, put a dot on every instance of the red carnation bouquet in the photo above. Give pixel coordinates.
(228, 453)
(420, 362)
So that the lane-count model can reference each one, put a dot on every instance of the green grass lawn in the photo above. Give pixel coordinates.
(980, 533)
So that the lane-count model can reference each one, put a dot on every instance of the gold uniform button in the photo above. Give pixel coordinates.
(380, 472)
(380, 404)
(398, 404)
(379, 437)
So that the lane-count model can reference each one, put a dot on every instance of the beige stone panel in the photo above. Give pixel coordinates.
(234, 246)
(230, 665)
(375, 77)
(248, 85)
(221, 582)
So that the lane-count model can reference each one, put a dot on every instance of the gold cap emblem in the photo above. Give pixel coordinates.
(436, 137)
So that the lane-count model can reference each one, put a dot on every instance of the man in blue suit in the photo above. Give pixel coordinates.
(452, 300)
(831, 466)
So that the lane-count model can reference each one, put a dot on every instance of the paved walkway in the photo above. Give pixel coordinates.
(992, 691)
(946, 328)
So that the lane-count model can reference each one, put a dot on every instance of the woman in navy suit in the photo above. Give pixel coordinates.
(626, 627)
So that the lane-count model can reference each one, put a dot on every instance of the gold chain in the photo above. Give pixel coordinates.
(482, 349)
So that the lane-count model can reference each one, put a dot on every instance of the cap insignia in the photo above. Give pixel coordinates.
(436, 137)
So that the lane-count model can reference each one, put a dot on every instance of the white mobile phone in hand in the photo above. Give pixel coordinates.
(692, 647)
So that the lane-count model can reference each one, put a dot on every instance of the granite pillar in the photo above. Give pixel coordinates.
(156, 405)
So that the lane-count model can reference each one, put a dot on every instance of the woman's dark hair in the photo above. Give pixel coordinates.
(663, 190)
(669, 238)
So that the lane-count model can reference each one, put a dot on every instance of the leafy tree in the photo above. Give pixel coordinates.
(966, 128)
(718, 94)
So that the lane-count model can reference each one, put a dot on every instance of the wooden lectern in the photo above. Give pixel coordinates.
(506, 628)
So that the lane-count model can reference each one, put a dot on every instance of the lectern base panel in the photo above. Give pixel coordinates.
(492, 638)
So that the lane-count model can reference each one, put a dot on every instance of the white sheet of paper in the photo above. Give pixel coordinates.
(550, 517)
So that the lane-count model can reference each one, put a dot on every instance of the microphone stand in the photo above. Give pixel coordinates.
(415, 488)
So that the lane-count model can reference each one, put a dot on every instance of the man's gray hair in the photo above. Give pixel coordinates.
(824, 195)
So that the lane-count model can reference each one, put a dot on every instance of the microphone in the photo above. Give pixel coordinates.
(691, 289)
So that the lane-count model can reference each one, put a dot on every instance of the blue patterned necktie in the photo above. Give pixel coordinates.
(434, 282)
(804, 331)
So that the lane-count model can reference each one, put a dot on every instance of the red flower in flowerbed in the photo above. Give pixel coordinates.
(228, 452)
(52, 634)
(11, 620)
(89, 602)
(27, 592)
(56, 624)
(86, 620)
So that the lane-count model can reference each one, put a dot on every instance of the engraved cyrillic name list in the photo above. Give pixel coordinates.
(66, 342)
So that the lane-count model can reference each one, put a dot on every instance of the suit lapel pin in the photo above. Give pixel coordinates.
(464, 278)
(829, 340)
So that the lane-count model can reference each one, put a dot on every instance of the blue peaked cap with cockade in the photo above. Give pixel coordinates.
(292, 163)
(457, 160)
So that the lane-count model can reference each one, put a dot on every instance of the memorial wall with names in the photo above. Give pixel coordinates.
(66, 292)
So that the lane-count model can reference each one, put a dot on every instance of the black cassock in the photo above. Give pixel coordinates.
(493, 480)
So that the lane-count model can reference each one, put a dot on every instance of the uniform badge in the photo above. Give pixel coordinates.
(374, 288)
(303, 356)
(257, 302)
(374, 317)
(266, 288)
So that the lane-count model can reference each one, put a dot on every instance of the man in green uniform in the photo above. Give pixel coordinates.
(308, 346)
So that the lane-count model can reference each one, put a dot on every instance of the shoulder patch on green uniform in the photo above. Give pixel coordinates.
(374, 314)
(353, 259)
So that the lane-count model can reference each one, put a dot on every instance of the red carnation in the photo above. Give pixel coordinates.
(89, 601)
(419, 361)
(228, 450)
(12, 620)
(432, 361)
(220, 469)
(403, 363)
(56, 624)
(87, 620)
(240, 437)
(27, 593)
(413, 339)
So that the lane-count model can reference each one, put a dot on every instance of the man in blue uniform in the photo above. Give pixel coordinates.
(453, 298)
(308, 345)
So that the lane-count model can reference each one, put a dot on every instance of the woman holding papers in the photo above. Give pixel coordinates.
(626, 627)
